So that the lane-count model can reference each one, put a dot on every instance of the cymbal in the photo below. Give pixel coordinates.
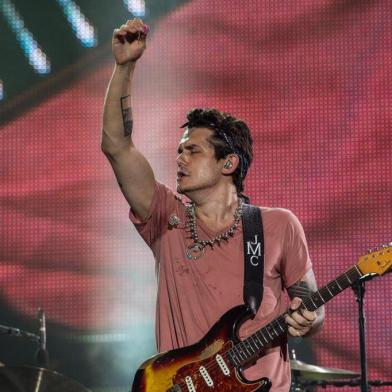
(318, 373)
(30, 379)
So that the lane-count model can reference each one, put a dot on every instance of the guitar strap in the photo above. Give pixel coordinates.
(252, 225)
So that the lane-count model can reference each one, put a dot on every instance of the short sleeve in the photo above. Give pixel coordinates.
(296, 260)
(153, 226)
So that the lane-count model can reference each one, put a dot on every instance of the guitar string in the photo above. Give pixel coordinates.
(212, 366)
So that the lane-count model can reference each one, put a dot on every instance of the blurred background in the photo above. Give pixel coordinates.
(312, 79)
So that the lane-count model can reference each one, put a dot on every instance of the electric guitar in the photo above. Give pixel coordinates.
(215, 362)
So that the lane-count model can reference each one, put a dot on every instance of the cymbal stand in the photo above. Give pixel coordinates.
(41, 355)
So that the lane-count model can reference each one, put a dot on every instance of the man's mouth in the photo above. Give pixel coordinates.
(181, 174)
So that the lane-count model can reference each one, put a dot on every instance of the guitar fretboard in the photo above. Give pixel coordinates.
(249, 348)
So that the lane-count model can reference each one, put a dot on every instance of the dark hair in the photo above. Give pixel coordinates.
(231, 136)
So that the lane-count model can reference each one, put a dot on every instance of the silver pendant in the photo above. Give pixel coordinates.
(194, 252)
(174, 221)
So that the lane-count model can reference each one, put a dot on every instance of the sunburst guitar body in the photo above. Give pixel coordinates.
(183, 369)
(215, 362)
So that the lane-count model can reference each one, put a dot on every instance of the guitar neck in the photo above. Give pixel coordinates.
(332, 289)
(249, 348)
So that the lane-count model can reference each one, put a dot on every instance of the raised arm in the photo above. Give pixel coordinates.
(132, 170)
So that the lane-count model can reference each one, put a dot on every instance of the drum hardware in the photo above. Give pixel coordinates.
(31, 379)
(305, 375)
(41, 355)
(4, 329)
(312, 372)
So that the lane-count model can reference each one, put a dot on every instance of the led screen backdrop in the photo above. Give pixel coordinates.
(313, 82)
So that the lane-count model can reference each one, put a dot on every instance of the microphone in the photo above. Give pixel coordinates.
(42, 355)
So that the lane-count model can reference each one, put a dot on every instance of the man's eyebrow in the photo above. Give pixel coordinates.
(188, 147)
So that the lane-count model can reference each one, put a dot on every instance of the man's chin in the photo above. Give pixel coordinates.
(180, 189)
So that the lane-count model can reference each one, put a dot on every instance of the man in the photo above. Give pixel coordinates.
(199, 247)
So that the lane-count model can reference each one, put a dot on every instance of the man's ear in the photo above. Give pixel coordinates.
(230, 164)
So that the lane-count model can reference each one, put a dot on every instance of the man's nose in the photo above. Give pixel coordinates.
(180, 160)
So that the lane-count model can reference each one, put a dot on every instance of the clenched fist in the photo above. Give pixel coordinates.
(129, 41)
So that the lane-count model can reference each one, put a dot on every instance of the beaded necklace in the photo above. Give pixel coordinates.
(197, 249)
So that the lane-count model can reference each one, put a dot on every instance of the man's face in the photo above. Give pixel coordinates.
(198, 168)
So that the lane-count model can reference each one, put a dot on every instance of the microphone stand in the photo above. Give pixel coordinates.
(359, 290)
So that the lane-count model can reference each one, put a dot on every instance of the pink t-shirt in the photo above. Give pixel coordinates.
(193, 295)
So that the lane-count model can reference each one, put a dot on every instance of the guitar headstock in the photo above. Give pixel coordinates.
(376, 262)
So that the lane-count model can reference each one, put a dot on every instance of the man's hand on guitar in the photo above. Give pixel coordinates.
(300, 322)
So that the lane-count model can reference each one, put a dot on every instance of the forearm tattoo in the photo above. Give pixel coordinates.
(126, 112)
(300, 289)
